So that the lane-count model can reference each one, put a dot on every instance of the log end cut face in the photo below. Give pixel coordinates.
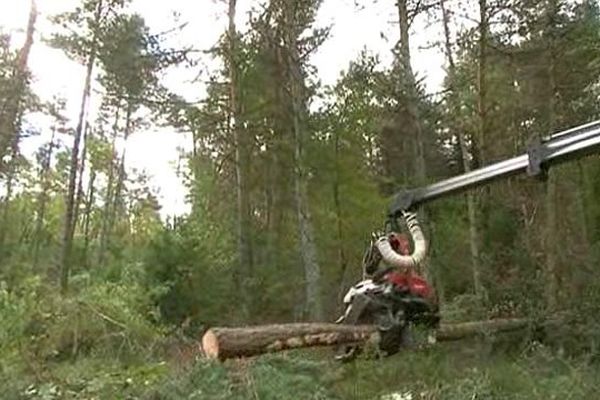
(210, 345)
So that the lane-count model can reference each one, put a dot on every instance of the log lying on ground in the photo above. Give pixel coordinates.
(463, 330)
(224, 343)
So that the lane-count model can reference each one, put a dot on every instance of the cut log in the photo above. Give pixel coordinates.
(224, 343)
(466, 329)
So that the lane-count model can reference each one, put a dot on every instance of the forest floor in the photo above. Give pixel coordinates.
(99, 344)
(473, 369)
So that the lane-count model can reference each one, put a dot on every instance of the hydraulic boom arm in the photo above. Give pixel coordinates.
(541, 154)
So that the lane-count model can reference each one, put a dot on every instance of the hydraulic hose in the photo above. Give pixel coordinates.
(397, 260)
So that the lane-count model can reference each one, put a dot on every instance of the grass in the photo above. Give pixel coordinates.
(448, 371)
(445, 372)
(465, 370)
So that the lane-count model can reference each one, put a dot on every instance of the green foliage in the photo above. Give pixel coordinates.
(460, 373)
(139, 284)
(194, 265)
(82, 27)
(205, 380)
(100, 321)
(95, 378)
(270, 377)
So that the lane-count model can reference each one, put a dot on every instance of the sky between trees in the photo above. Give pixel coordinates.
(157, 150)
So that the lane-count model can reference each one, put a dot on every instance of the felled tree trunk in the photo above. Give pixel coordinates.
(224, 343)
(463, 330)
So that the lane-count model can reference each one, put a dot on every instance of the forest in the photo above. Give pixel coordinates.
(103, 295)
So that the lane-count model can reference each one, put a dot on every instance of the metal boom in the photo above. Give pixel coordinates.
(541, 154)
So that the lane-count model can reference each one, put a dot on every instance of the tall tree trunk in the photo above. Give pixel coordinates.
(88, 214)
(108, 198)
(10, 117)
(276, 207)
(105, 231)
(118, 204)
(9, 185)
(551, 242)
(308, 247)
(482, 81)
(412, 107)
(43, 199)
(409, 81)
(11, 177)
(278, 171)
(479, 143)
(579, 278)
(79, 195)
(584, 206)
(474, 238)
(242, 160)
(67, 241)
(342, 259)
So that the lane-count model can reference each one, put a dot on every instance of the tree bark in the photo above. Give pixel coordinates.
(43, 198)
(482, 80)
(225, 343)
(108, 198)
(551, 242)
(308, 248)
(242, 162)
(67, 241)
(9, 185)
(474, 238)
(118, 205)
(88, 214)
(408, 77)
(79, 193)
(412, 108)
(583, 214)
(10, 117)
(342, 259)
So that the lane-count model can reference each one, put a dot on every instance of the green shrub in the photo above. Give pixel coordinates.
(98, 320)
(268, 377)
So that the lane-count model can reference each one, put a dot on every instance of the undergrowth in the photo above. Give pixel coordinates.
(104, 341)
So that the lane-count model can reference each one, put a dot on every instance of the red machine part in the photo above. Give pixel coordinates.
(408, 279)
